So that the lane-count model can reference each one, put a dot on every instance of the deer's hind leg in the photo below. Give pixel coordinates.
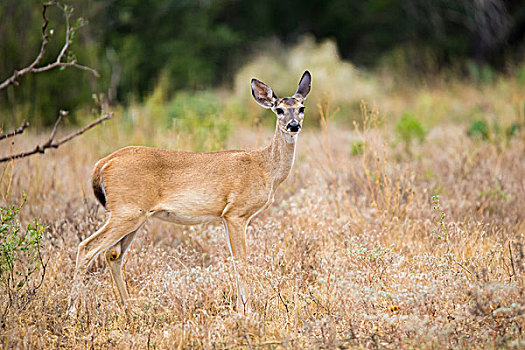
(115, 258)
(114, 230)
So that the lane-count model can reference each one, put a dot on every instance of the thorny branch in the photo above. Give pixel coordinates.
(51, 143)
(33, 67)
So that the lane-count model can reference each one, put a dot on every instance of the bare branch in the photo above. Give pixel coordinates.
(81, 131)
(15, 132)
(32, 68)
(50, 143)
(64, 59)
(61, 114)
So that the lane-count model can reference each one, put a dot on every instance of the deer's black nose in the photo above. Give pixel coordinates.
(293, 126)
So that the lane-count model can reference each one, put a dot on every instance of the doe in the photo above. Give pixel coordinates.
(136, 183)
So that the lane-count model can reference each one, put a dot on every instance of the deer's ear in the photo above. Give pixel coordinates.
(263, 94)
(304, 85)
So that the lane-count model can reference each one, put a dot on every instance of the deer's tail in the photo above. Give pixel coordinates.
(97, 181)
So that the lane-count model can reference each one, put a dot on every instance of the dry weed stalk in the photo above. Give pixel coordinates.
(389, 190)
(325, 116)
(7, 172)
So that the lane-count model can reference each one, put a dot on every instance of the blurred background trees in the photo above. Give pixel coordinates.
(193, 45)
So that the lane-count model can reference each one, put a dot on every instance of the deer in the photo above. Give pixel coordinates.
(136, 183)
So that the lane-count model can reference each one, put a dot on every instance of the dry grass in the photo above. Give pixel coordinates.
(351, 255)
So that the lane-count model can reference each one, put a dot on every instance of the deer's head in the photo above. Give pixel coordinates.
(289, 110)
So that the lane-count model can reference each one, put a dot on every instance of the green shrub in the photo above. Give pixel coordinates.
(200, 117)
(408, 129)
(483, 74)
(479, 129)
(20, 259)
(513, 129)
(358, 147)
(520, 74)
(335, 79)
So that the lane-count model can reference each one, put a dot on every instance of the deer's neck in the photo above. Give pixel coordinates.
(281, 154)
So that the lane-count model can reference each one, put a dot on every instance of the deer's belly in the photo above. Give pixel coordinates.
(189, 208)
(182, 219)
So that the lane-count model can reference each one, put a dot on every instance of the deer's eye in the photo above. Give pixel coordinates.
(279, 111)
(301, 109)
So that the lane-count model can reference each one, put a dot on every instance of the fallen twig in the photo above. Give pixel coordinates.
(50, 143)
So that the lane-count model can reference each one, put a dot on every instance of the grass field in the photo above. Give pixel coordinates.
(398, 232)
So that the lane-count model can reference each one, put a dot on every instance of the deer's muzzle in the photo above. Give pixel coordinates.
(293, 126)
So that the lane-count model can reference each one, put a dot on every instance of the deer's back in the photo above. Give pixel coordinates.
(152, 179)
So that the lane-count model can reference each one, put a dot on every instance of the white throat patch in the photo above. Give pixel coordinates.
(290, 139)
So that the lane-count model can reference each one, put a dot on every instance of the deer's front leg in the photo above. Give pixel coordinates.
(236, 236)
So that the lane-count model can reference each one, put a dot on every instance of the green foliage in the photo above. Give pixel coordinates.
(482, 130)
(185, 40)
(483, 74)
(358, 148)
(513, 129)
(442, 232)
(20, 256)
(520, 74)
(199, 116)
(408, 129)
(479, 129)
